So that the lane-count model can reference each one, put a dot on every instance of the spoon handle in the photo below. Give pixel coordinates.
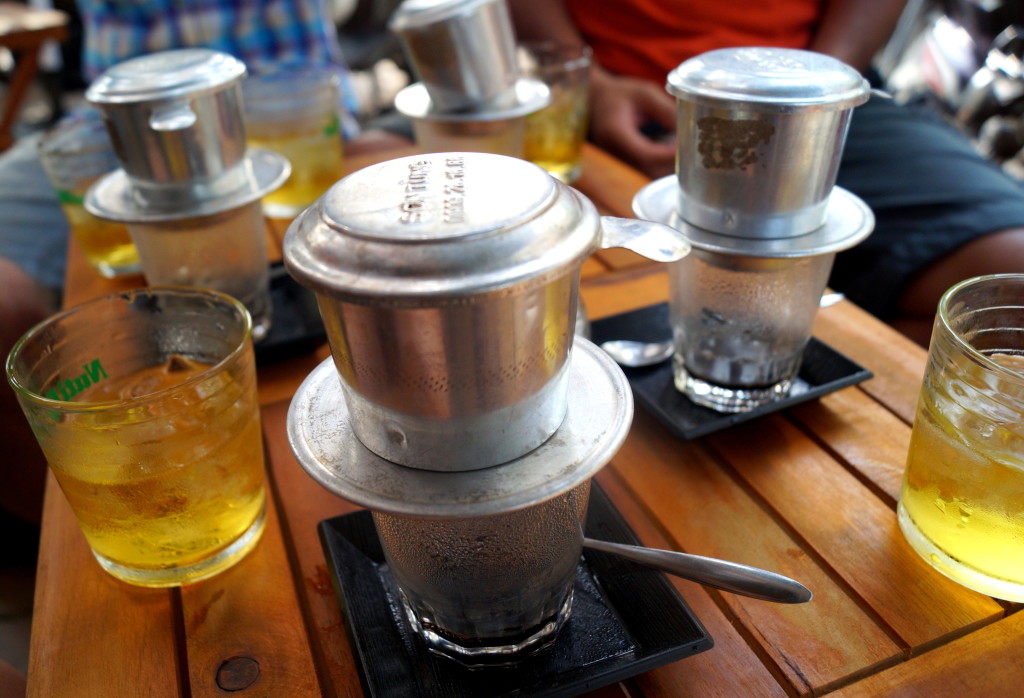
(720, 574)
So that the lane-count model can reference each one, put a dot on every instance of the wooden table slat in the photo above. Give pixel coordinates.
(623, 290)
(986, 663)
(707, 513)
(853, 531)
(708, 673)
(609, 183)
(306, 503)
(869, 439)
(809, 492)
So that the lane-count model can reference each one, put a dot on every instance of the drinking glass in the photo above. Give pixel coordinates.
(555, 134)
(74, 154)
(740, 325)
(225, 251)
(962, 502)
(295, 111)
(144, 404)
(488, 590)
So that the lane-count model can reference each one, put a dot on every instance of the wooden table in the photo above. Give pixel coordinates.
(23, 31)
(809, 492)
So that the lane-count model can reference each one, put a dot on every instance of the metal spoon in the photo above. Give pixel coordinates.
(633, 354)
(720, 574)
(627, 352)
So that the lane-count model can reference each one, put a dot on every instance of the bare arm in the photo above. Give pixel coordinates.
(854, 30)
(620, 105)
(536, 20)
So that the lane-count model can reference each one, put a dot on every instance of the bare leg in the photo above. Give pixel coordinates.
(12, 681)
(22, 305)
(998, 253)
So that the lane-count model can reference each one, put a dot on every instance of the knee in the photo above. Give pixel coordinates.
(22, 304)
(1001, 252)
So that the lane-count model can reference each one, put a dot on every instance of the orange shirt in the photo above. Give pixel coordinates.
(650, 38)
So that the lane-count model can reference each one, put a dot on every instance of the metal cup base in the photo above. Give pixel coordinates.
(481, 656)
(728, 399)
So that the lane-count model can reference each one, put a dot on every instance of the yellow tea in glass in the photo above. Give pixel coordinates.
(962, 502)
(555, 134)
(75, 153)
(145, 406)
(107, 245)
(295, 112)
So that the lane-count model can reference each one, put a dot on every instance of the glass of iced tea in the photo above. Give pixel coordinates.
(296, 111)
(144, 404)
(75, 153)
(555, 134)
(962, 503)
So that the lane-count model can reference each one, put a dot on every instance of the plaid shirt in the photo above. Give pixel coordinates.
(255, 31)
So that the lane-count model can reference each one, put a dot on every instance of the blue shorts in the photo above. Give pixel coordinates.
(33, 228)
(931, 192)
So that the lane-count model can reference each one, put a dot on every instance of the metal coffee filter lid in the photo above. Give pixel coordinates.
(420, 13)
(600, 410)
(440, 226)
(771, 79)
(166, 75)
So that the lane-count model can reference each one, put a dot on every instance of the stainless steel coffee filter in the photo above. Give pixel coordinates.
(462, 50)
(175, 116)
(600, 410)
(448, 285)
(760, 132)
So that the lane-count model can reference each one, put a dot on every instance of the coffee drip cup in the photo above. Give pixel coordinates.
(458, 406)
(760, 132)
(470, 95)
(188, 187)
(448, 284)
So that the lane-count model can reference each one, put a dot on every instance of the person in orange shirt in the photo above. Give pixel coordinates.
(943, 213)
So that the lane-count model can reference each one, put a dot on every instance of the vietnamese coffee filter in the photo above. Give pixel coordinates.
(760, 132)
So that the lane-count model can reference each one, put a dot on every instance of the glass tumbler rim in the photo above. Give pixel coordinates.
(231, 357)
(945, 322)
(577, 55)
(78, 134)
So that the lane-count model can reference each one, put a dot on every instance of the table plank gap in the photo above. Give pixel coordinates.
(866, 438)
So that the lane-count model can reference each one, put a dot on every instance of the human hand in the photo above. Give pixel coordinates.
(621, 110)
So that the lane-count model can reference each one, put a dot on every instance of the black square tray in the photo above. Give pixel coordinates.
(823, 371)
(295, 326)
(625, 620)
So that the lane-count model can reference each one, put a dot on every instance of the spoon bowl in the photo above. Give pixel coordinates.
(633, 354)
